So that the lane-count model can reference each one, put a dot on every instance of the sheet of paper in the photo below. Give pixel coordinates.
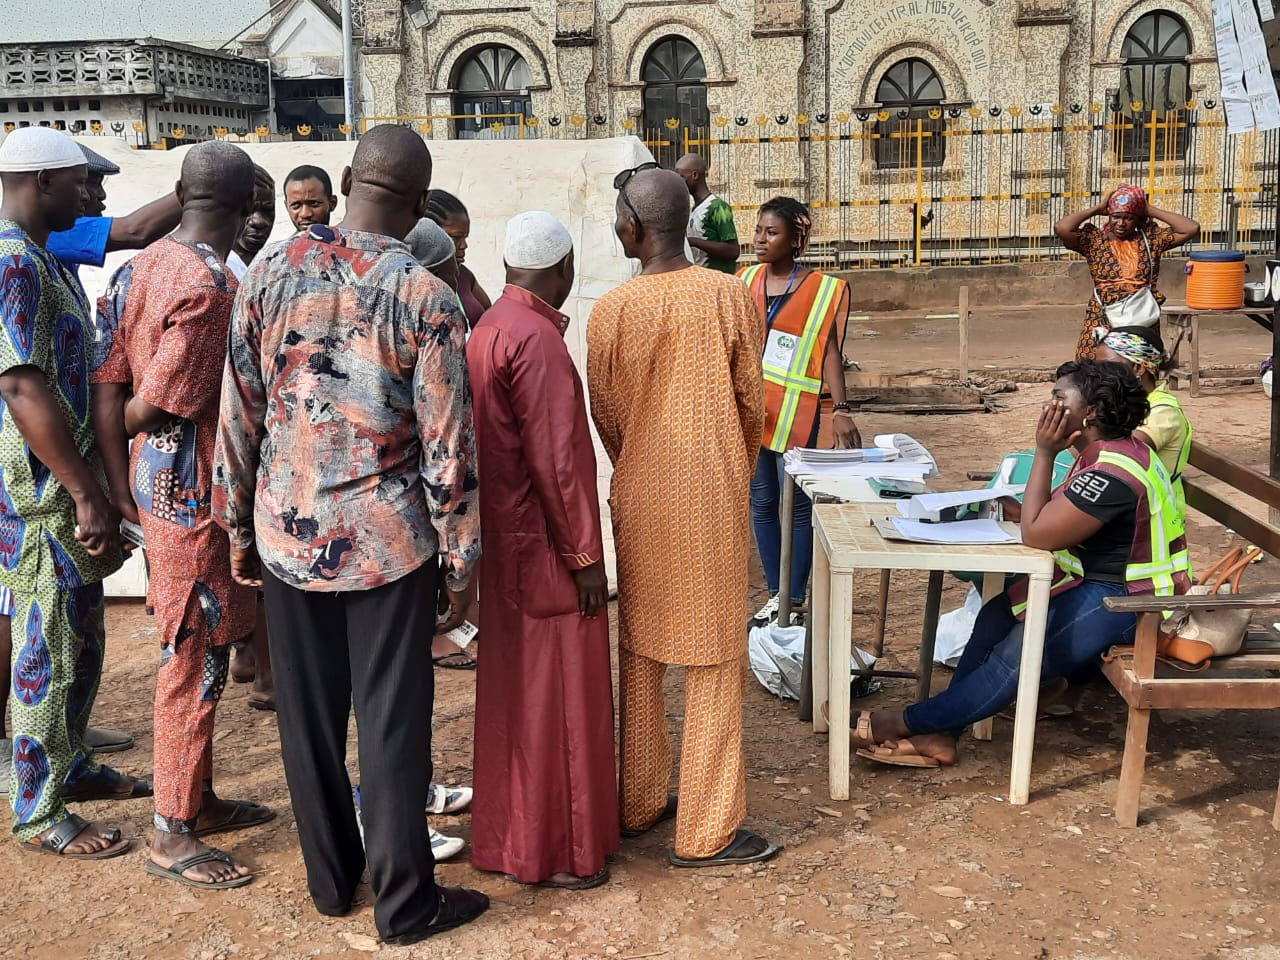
(925, 504)
(961, 531)
(1235, 100)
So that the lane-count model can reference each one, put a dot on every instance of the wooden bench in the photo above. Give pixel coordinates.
(1247, 681)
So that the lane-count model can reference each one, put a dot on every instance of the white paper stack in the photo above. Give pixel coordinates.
(895, 456)
(960, 531)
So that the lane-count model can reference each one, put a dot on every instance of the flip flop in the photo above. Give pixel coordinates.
(730, 856)
(262, 703)
(860, 733)
(212, 855)
(104, 785)
(454, 661)
(902, 753)
(669, 811)
(599, 878)
(61, 836)
(243, 814)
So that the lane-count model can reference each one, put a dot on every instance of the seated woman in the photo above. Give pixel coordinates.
(1113, 528)
(1166, 430)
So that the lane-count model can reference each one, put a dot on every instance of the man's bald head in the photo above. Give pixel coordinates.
(387, 182)
(393, 159)
(661, 201)
(692, 162)
(216, 174)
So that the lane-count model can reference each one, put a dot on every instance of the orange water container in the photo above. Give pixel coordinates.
(1215, 280)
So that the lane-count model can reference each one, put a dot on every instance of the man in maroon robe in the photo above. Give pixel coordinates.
(546, 801)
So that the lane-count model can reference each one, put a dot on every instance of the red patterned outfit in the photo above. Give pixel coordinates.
(163, 331)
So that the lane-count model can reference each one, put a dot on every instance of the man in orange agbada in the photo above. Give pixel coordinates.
(681, 489)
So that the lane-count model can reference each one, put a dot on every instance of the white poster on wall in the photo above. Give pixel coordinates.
(1248, 89)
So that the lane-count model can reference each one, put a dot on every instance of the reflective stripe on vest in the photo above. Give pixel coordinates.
(1164, 527)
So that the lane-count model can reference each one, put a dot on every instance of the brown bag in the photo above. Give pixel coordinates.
(1197, 636)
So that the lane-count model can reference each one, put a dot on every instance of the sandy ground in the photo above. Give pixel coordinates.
(930, 865)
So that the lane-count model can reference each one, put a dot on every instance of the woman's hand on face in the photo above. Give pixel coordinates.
(1053, 432)
(845, 433)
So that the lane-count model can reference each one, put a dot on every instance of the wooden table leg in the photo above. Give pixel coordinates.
(883, 616)
(992, 587)
(820, 632)
(840, 630)
(929, 635)
(1024, 722)
(1194, 338)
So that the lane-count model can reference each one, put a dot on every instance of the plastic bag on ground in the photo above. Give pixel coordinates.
(776, 654)
(954, 629)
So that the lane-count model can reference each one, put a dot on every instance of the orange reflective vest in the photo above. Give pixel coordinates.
(794, 350)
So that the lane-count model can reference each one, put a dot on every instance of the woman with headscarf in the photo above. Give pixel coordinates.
(1166, 429)
(1124, 254)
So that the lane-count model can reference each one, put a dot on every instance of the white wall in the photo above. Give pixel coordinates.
(495, 179)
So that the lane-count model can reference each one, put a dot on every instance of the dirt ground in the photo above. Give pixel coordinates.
(931, 864)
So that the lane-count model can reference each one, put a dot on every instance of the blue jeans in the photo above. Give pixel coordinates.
(766, 502)
(986, 678)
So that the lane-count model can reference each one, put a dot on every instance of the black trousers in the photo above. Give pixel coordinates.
(370, 649)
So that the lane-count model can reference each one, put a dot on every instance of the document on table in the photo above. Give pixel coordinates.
(957, 532)
(928, 506)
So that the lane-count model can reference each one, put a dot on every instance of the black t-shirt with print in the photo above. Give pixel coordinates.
(1105, 555)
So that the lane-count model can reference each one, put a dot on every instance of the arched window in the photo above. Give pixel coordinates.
(674, 76)
(1157, 75)
(908, 91)
(491, 81)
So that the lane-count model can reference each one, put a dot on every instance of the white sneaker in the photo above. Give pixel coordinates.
(443, 848)
(448, 800)
(768, 613)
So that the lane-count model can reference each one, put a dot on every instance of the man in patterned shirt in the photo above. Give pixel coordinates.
(346, 462)
(59, 534)
(163, 333)
(713, 238)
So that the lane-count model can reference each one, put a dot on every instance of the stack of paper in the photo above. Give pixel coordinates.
(961, 531)
(895, 456)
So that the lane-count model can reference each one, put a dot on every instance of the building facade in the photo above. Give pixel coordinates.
(146, 91)
(995, 116)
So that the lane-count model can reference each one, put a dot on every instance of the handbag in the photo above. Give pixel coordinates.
(1139, 309)
(1197, 636)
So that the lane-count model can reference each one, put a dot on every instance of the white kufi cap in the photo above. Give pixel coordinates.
(30, 149)
(535, 240)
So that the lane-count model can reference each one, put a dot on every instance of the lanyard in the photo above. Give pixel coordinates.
(777, 303)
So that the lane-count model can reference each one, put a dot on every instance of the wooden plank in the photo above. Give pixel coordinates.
(1262, 693)
(932, 393)
(1243, 478)
(1224, 601)
(1204, 500)
(1132, 766)
(923, 408)
(858, 379)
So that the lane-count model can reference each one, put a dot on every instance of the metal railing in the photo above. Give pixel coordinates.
(955, 185)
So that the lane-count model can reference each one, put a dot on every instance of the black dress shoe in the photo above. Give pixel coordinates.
(458, 905)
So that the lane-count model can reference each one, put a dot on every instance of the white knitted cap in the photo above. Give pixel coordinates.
(29, 149)
(535, 240)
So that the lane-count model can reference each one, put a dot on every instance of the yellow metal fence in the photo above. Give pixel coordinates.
(952, 186)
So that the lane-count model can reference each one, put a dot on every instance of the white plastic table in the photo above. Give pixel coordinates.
(844, 542)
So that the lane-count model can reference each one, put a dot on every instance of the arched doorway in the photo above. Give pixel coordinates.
(907, 92)
(490, 81)
(674, 76)
(1156, 74)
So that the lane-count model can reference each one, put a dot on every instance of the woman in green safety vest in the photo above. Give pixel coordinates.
(1113, 529)
(1166, 430)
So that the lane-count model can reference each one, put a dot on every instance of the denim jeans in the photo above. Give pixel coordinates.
(766, 503)
(986, 678)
